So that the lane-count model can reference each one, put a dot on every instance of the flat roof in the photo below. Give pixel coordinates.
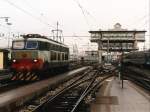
(110, 31)
(120, 50)
(116, 41)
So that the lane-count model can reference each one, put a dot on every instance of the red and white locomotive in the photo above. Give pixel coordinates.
(36, 53)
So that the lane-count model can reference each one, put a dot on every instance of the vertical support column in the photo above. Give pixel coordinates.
(108, 56)
(149, 22)
(135, 42)
(100, 51)
(122, 64)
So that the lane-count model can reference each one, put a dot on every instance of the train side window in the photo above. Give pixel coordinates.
(63, 56)
(58, 56)
(44, 46)
(66, 56)
(53, 55)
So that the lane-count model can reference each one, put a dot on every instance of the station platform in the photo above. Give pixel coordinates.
(114, 98)
(5, 74)
(9, 100)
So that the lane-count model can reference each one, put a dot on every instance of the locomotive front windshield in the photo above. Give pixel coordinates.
(18, 45)
(25, 45)
(31, 45)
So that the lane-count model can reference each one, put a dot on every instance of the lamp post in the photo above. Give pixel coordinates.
(149, 23)
(121, 71)
(8, 24)
(9, 32)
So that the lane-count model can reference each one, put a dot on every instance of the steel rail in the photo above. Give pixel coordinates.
(142, 84)
(138, 77)
(72, 85)
(84, 93)
(44, 105)
(88, 91)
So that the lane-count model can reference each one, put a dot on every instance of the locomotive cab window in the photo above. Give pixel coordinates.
(18, 45)
(31, 45)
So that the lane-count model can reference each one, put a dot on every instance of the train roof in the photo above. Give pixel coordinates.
(140, 52)
(40, 38)
(136, 53)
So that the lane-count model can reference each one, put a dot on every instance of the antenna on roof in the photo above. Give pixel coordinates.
(33, 36)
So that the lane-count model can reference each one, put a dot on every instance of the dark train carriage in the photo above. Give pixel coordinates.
(138, 58)
(37, 53)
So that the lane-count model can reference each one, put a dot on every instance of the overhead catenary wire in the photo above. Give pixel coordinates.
(83, 12)
(41, 14)
(28, 13)
(35, 9)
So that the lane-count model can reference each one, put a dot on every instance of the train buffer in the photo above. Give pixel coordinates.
(113, 98)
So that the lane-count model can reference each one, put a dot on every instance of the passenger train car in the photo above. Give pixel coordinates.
(138, 58)
(35, 54)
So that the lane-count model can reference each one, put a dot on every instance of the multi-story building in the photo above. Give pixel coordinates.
(117, 40)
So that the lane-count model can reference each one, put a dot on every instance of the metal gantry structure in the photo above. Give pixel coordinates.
(57, 34)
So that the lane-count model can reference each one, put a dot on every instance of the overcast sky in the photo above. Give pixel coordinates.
(76, 17)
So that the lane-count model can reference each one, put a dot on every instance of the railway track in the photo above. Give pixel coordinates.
(7, 84)
(71, 96)
(140, 77)
(12, 99)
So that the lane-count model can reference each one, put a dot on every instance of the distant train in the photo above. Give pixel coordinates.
(36, 54)
(138, 58)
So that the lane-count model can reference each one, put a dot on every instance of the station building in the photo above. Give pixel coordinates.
(114, 42)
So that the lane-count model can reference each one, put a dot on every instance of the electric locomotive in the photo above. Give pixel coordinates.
(35, 54)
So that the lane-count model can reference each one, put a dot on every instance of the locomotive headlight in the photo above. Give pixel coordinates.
(14, 60)
(35, 60)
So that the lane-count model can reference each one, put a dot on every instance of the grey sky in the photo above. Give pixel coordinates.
(32, 16)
